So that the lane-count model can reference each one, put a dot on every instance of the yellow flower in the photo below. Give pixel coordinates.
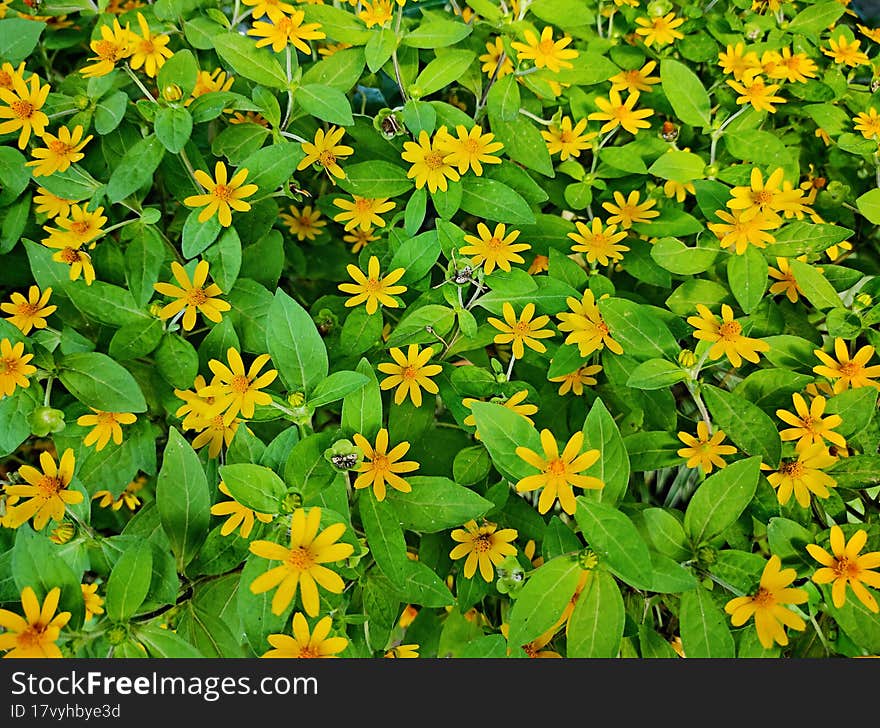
(636, 79)
(372, 287)
(286, 29)
(402, 651)
(726, 336)
(240, 517)
(31, 312)
(767, 198)
(514, 403)
(615, 112)
(306, 644)
(868, 123)
(494, 248)
(51, 205)
(104, 426)
(60, 151)
(843, 51)
(627, 211)
(272, 8)
(8, 73)
(306, 224)
(222, 194)
(803, 476)
(808, 426)
(302, 563)
(410, 373)
(470, 149)
(744, 228)
(80, 228)
(586, 326)
(192, 295)
(113, 46)
(429, 161)
(752, 90)
(359, 239)
(559, 472)
(330, 49)
(94, 603)
(495, 58)
(22, 109)
(128, 497)
(539, 264)
(209, 82)
(234, 389)
(597, 243)
(325, 151)
(678, 190)
(568, 141)
(735, 61)
(847, 566)
(382, 466)
(574, 381)
(14, 367)
(704, 450)
(794, 67)
(786, 282)
(872, 33)
(362, 212)
(484, 546)
(148, 50)
(35, 634)
(546, 53)
(379, 12)
(522, 332)
(47, 491)
(79, 261)
(248, 117)
(215, 432)
(848, 372)
(660, 30)
(767, 605)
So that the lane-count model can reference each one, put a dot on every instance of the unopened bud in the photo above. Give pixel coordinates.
(172, 92)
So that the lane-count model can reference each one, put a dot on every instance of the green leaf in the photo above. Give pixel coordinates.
(492, 200)
(860, 624)
(362, 408)
(271, 166)
(857, 471)
(856, 407)
(325, 102)
(542, 599)
(379, 48)
(423, 587)
(197, 236)
(665, 533)
(747, 426)
(376, 179)
(296, 347)
(443, 70)
(384, 538)
(747, 277)
(721, 499)
(143, 260)
(129, 582)
(211, 635)
(181, 69)
(816, 18)
(595, 627)
(335, 387)
(816, 289)
(338, 23)
(641, 333)
(798, 238)
(183, 499)
(98, 381)
(136, 340)
(504, 100)
(612, 468)
(656, 374)
(163, 642)
(106, 303)
(502, 430)
(136, 168)
(523, 143)
(254, 486)
(419, 116)
(686, 93)
(435, 504)
(256, 64)
(18, 38)
(173, 127)
(678, 166)
(411, 328)
(704, 630)
(437, 34)
(109, 112)
(869, 206)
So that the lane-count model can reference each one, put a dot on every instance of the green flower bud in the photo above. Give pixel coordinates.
(46, 420)
(510, 576)
(343, 455)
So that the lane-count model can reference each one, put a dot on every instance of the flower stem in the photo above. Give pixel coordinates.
(138, 83)
(718, 133)
(48, 393)
(602, 143)
(510, 367)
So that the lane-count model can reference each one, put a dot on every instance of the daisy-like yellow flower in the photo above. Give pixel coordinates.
(286, 29)
(515, 403)
(222, 194)
(302, 565)
(236, 390)
(767, 605)
(326, 151)
(470, 149)
(847, 566)
(306, 644)
(635, 80)
(494, 248)
(744, 228)
(522, 332)
(82, 227)
(362, 212)
(14, 367)
(47, 492)
(785, 280)
(382, 466)
(410, 373)
(378, 12)
(843, 51)
(626, 211)
(329, 49)
(372, 288)
(794, 67)
(272, 8)
(429, 162)
(559, 472)
(546, 52)
(60, 151)
(615, 112)
(575, 381)
(768, 198)
(586, 327)
(599, 244)
(726, 336)
(359, 239)
(249, 117)
(567, 140)
(868, 123)
(194, 407)
(240, 517)
(79, 261)
(678, 190)
(539, 264)
(51, 205)
(484, 546)
(148, 50)
(753, 90)
(34, 634)
(215, 433)
(306, 224)
(93, 602)
(496, 58)
(808, 426)
(31, 312)
(872, 33)
(128, 497)
(21, 110)
(660, 29)
(9, 72)
(192, 296)
(803, 476)
(113, 46)
(402, 651)
(105, 425)
(735, 61)
(704, 451)
(847, 371)
(209, 82)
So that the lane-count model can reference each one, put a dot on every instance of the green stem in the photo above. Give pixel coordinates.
(137, 81)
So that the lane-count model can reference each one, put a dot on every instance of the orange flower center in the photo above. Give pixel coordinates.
(530, 650)
(602, 328)
(471, 146)
(301, 558)
(240, 384)
(434, 160)
(308, 652)
(327, 158)
(846, 568)
(28, 310)
(107, 50)
(70, 256)
(482, 543)
(22, 109)
(284, 26)
(792, 469)
(32, 636)
(5, 80)
(764, 197)
(196, 296)
(555, 467)
(81, 227)
(494, 243)
(217, 423)
(223, 192)
(8, 366)
(547, 47)
(566, 137)
(522, 328)
(849, 369)
(409, 372)
(372, 285)
(729, 330)
(764, 598)
(59, 147)
(105, 419)
(146, 47)
(49, 485)
(380, 461)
